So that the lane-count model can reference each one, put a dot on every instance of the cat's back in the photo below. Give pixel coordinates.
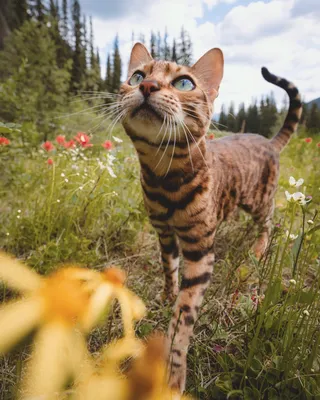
(242, 147)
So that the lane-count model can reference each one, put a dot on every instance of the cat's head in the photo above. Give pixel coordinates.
(160, 99)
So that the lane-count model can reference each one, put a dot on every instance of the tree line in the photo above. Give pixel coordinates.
(264, 118)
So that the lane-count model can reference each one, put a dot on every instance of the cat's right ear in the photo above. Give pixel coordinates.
(139, 55)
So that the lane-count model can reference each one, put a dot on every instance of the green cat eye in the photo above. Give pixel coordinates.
(136, 78)
(184, 84)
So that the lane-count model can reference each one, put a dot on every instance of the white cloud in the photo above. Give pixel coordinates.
(251, 36)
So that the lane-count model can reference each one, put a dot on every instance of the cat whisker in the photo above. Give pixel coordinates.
(189, 150)
(196, 143)
(164, 152)
(174, 145)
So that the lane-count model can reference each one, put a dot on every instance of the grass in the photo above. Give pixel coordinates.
(257, 336)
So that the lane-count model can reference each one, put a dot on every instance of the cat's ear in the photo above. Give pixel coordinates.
(139, 55)
(209, 70)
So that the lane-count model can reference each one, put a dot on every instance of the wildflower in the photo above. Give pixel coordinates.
(7, 234)
(293, 182)
(66, 180)
(60, 307)
(50, 161)
(306, 313)
(291, 236)
(293, 282)
(81, 188)
(297, 197)
(116, 139)
(62, 175)
(83, 139)
(4, 141)
(18, 216)
(19, 211)
(58, 200)
(78, 174)
(318, 144)
(107, 145)
(308, 140)
(211, 136)
(110, 170)
(60, 139)
(70, 144)
(310, 222)
(48, 146)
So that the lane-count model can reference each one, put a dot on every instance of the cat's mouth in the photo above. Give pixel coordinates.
(146, 109)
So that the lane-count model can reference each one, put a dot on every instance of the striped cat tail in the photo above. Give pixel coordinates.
(294, 112)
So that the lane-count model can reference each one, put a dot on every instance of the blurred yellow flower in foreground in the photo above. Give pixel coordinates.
(62, 309)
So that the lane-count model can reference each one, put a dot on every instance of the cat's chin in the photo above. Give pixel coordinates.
(145, 111)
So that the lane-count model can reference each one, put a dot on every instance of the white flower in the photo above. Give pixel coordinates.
(294, 183)
(310, 222)
(73, 158)
(8, 234)
(85, 158)
(66, 180)
(110, 158)
(19, 211)
(78, 174)
(58, 201)
(116, 139)
(62, 175)
(18, 216)
(81, 188)
(293, 282)
(110, 170)
(306, 313)
(291, 236)
(297, 197)
(60, 155)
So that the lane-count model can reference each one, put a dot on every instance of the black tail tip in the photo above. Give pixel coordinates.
(265, 73)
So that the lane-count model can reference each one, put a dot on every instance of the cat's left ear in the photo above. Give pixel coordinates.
(209, 70)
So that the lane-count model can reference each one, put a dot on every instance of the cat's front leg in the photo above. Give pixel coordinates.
(195, 280)
(170, 260)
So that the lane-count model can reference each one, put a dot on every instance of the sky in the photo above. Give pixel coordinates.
(283, 35)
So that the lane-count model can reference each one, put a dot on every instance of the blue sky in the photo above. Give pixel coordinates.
(283, 35)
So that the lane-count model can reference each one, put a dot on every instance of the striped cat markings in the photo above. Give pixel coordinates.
(190, 185)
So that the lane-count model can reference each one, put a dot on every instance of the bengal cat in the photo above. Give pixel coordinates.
(191, 184)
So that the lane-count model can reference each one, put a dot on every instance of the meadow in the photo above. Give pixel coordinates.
(77, 199)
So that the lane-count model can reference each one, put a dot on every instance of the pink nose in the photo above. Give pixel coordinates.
(149, 86)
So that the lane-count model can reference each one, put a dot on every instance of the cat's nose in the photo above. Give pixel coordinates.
(149, 86)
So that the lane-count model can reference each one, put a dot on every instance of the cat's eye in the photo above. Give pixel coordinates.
(136, 79)
(184, 84)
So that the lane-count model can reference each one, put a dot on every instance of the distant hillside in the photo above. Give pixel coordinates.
(317, 101)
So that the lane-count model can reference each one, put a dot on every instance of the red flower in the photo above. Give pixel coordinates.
(69, 145)
(48, 146)
(4, 141)
(60, 139)
(50, 161)
(211, 136)
(308, 140)
(83, 139)
(107, 145)
(318, 144)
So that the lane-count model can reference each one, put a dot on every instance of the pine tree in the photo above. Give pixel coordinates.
(166, 47)
(109, 77)
(223, 121)
(77, 66)
(174, 57)
(313, 119)
(159, 47)
(253, 121)
(185, 48)
(268, 116)
(65, 20)
(37, 9)
(35, 90)
(116, 78)
(231, 119)
(241, 119)
(153, 50)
